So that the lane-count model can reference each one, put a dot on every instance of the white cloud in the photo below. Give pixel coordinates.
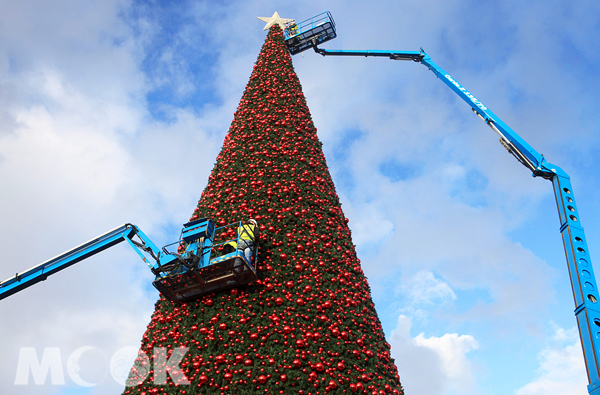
(467, 245)
(452, 349)
(424, 288)
(433, 365)
(561, 370)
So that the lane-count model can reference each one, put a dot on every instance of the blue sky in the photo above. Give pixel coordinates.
(114, 111)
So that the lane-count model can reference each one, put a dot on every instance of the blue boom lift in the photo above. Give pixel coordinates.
(198, 267)
(583, 280)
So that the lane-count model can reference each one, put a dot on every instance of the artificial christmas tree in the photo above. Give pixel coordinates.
(308, 324)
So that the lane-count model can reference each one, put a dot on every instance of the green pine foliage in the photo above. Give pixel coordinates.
(308, 324)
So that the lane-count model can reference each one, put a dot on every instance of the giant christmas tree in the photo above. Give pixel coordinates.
(308, 324)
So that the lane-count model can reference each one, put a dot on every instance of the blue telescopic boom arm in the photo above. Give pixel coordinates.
(40, 272)
(583, 280)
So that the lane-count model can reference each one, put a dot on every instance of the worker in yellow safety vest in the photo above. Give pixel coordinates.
(291, 29)
(248, 235)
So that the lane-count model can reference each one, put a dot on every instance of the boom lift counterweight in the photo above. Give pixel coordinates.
(583, 280)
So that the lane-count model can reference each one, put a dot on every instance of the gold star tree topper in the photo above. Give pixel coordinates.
(275, 19)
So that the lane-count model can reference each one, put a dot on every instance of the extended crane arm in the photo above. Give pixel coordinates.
(513, 143)
(197, 268)
(583, 280)
(40, 272)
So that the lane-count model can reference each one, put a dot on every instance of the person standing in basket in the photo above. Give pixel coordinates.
(248, 235)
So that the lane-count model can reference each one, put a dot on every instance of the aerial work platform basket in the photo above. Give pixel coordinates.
(215, 266)
(306, 34)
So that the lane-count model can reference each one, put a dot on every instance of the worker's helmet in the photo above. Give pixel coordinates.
(252, 221)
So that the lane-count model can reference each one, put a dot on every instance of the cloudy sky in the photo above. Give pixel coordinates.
(113, 111)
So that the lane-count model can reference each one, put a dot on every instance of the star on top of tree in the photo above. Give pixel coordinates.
(275, 19)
